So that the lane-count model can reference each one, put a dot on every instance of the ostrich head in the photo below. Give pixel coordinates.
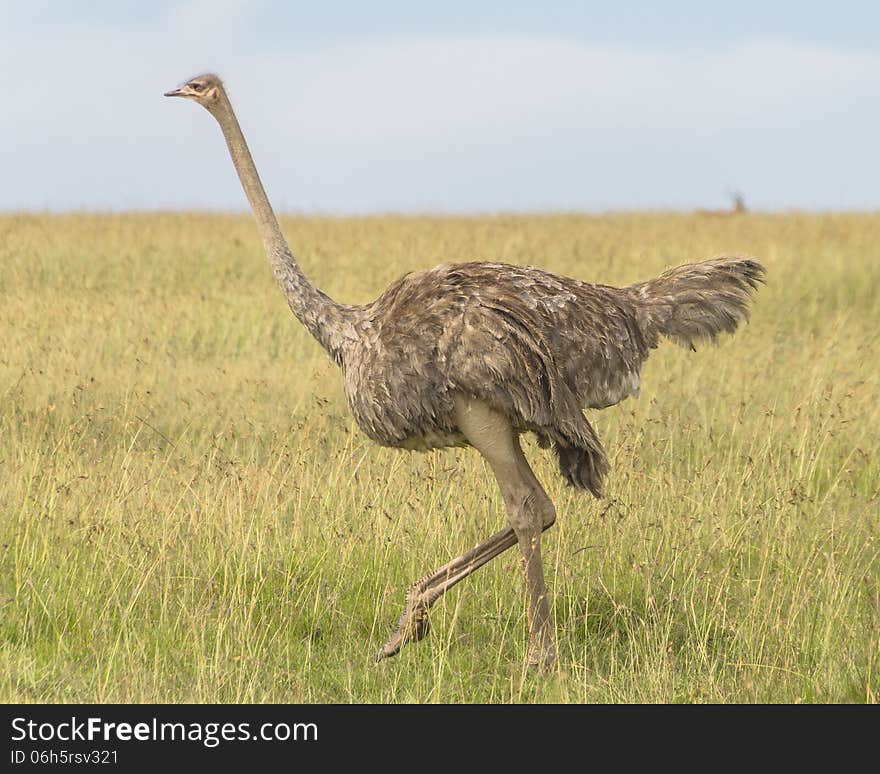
(204, 89)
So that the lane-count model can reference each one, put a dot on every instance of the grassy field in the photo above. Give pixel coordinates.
(188, 512)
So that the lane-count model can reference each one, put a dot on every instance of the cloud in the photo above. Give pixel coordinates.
(484, 122)
(409, 91)
(209, 17)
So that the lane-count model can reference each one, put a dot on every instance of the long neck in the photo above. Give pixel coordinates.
(326, 320)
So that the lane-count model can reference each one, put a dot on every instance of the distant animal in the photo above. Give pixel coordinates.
(476, 354)
(738, 206)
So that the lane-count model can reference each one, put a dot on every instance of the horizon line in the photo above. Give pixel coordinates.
(439, 212)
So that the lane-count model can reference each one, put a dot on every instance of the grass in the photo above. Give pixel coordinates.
(189, 514)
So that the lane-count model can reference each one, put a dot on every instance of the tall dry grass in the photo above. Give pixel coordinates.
(188, 512)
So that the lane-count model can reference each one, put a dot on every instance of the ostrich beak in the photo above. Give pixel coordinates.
(175, 92)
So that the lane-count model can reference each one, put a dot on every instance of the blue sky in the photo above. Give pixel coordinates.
(452, 107)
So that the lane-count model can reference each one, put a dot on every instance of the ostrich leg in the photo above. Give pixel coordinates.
(413, 624)
(529, 511)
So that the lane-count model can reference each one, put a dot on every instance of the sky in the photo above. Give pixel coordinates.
(453, 107)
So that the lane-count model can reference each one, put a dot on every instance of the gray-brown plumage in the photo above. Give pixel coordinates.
(479, 353)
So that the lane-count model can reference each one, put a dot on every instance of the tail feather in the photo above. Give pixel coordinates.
(582, 468)
(582, 460)
(698, 300)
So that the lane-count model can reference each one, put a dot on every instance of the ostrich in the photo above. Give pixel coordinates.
(476, 354)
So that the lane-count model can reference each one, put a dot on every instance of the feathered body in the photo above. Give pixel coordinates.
(536, 346)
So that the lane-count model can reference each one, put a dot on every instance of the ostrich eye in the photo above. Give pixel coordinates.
(196, 86)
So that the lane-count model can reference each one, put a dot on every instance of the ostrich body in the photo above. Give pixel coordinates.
(475, 354)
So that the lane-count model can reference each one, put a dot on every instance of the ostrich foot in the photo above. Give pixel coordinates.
(412, 625)
(542, 654)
